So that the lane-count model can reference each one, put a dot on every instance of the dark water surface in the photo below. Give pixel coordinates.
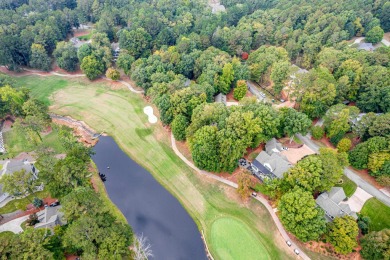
(148, 207)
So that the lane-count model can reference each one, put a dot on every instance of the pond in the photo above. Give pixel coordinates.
(148, 207)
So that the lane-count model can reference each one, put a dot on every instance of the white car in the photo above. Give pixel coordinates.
(296, 251)
(288, 242)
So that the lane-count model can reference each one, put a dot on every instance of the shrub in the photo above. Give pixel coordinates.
(32, 220)
(336, 138)
(344, 145)
(317, 132)
(113, 74)
(37, 202)
(240, 91)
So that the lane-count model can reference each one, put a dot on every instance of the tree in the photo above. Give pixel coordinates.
(349, 77)
(380, 126)
(136, 42)
(92, 67)
(344, 145)
(223, 82)
(363, 224)
(204, 148)
(317, 132)
(294, 122)
(306, 174)
(19, 183)
(300, 215)
(342, 234)
(244, 182)
(98, 237)
(84, 51)
(376, 245)
(142, 248)
(376, 162)
(39, 58)
(66, 56)
(124, 61)
(375, 35)
(179, 125)
(337, 119)
(279, 74)
(240, 91)
(333, 166)
(81, 201)
(113, 74)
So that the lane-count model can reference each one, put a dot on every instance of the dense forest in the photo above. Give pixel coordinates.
(183, 55)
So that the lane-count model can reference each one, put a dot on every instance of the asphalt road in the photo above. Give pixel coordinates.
(351, 175)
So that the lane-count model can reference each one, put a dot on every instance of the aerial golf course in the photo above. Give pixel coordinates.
(244, 230)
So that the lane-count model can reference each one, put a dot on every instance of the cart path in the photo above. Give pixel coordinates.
(271, 211)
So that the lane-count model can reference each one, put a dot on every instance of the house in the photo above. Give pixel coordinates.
(271, 162)
(365, 46)
(14, 166)
(216, 7)
(220, 98)
(50, 217)
(332, 203)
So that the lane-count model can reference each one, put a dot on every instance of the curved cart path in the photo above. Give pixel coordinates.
(234, 185)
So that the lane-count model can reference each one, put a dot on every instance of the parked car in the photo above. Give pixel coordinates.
(288, 242)
(254, 194)
(296, 251)
(55, 203)
(282, 100)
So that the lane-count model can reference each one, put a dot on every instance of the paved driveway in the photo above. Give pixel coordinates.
(14, 225)
(357, 200)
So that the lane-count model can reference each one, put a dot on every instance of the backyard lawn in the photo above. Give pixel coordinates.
(348, 186)
(379, 214)
(21, 204)
(15, 143)
(120, 114)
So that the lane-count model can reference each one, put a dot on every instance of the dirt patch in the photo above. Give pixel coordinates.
(326, 249)
(184, 149)
(81, 32)
(81, 130)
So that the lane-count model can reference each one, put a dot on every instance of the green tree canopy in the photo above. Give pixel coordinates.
(300, 215)
(376, 245)
(342, 234)
(92, 67)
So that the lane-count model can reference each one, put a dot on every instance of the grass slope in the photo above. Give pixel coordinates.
(119, 113)
(378, 212)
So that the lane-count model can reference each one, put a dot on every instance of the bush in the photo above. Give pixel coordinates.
(336, 138)
(179, 125)
(240, 91)
(37, 202)
(344, 145)
(32, 220)
(113, 74)
(317, 132)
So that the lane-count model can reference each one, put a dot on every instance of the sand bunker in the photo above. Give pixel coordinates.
(148, 110)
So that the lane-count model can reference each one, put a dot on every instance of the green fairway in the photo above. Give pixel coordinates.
(120, 114)
(233, 240)
(378, 212)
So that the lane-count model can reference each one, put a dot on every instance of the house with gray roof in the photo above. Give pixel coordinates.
(365, 46)
(332, 203)
(271, 162)
(220, 98)
(50, 217)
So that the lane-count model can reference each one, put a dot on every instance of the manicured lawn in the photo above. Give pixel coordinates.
(120, 114)
(21, 204)
(16, 143)
(379, 214)
(233, 240)
(348, 186)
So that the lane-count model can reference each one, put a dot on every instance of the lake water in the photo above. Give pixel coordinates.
(148, 207)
